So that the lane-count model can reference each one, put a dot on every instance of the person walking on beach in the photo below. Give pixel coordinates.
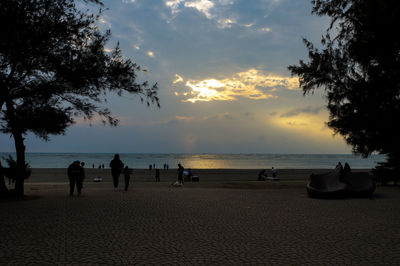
(273, 172)
(116, 166)
(127, 176)
(180, 173)
(83, 172)
(157, 175)
(75, 176)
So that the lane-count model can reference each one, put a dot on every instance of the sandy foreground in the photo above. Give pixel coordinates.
(226, 218)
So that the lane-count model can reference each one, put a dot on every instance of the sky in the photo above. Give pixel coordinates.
(224, 87)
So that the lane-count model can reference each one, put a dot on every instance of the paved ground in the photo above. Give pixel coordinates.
(158, 224)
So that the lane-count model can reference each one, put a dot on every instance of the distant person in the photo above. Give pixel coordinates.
(127, 177)
(99, 166)
(83, 172)
(75, 176)
(116, 166)
(339, 166)
(346, 168)
(273, 170)
(102, 166)
(150, 167)
(157, 175)
(180, 173)
(189, 174)
(92, 165)
(262, 175)
(167, 166)
(154, 166)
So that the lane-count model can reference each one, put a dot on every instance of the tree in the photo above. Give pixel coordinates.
(358, 66)
(54, 67)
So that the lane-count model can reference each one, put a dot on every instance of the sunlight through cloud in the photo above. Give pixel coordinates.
(250, 84)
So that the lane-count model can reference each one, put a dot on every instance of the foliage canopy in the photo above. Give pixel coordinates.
(358, 66)
(54, 66)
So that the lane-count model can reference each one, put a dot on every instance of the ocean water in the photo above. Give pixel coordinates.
(201, 161)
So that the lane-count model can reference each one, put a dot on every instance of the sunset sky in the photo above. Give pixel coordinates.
(224, 87)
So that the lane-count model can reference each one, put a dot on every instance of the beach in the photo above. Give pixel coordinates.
(226, 218)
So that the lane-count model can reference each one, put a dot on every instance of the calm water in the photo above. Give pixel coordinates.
(198, 161)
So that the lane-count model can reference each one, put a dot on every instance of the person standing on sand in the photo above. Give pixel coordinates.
(127, 175)
(180, 173)
(75, 176)
(116, 166)
(157, 175)
(83, 172)
(273, 172)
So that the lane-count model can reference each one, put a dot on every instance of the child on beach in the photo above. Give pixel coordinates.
(127, 175)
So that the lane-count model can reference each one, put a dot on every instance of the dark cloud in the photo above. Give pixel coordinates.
(307, 110)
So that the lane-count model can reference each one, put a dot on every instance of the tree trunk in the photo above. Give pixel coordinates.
(19, 149)
(21, 171)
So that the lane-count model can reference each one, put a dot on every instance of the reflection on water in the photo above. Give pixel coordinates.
(199, 161)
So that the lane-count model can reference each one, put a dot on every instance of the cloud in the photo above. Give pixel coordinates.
(202, 6)
(177, 79)
(174, 5)
(250, 84)
(307, 109)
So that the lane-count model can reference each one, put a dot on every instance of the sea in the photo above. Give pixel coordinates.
(201, 161)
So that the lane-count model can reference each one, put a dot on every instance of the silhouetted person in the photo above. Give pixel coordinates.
(75, 176)
(127, 176)
(150, 167)
(262, 175)
(102, 166)
(346, 168)
(116, 167)
(189, 174)
(273, 172)
(180, 173)
(167, 166)
(154, 166)
(339, 165)
(83, 172)
(92, 165)
(157, 175)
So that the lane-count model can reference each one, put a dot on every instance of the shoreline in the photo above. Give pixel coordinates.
(59, 175)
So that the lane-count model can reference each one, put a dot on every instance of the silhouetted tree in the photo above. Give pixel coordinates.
(358, 66)
(54, 66)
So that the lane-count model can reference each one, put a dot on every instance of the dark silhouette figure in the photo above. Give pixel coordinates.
(127, 176)
(150, 167)
(346, 168)
(165, 166)
(75, 176)
(339, 165)
(102, 166)
(180, 173)
(262, 175)
(157, 175)
(273, 172)
(116, 166)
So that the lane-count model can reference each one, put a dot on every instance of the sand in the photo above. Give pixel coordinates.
(143, 175)
(227, 218)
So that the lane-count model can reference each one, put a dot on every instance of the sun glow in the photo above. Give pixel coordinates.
(251, 84)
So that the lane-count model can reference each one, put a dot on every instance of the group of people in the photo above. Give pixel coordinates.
(76, 175)
(345, 169)
(263, 176)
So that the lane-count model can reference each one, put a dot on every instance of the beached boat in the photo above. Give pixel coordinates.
(339, 184)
